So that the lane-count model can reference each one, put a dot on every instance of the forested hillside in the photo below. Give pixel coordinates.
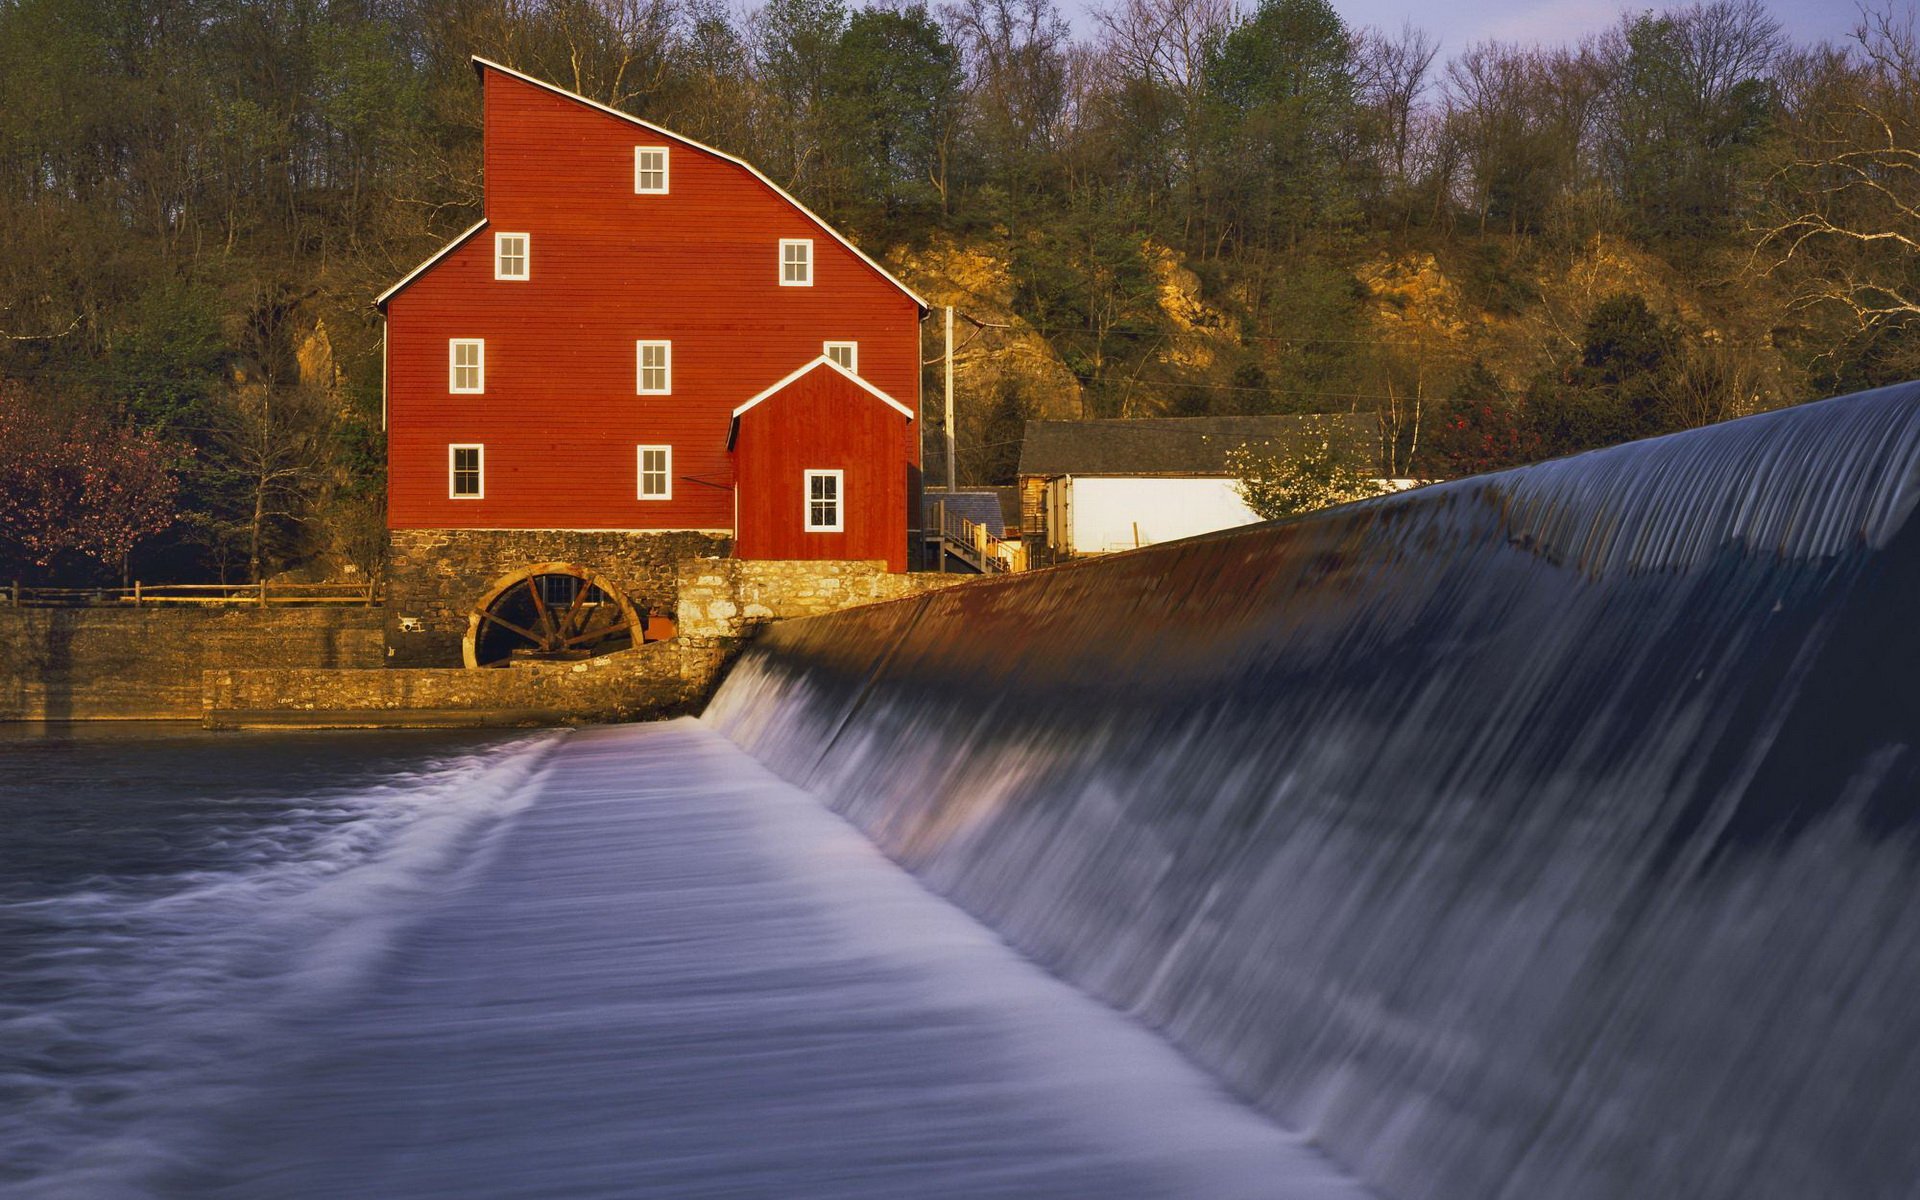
(1514, 252)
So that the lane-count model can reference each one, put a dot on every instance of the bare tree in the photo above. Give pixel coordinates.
(613, 51)
(1399, 410)
(1715, 383)
(1840, 216)
(1163, 44)
(1521, 119)
(1015, 54)
(1394, 71)
(273, 442)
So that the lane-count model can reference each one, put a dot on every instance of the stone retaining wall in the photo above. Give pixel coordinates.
(435, 576)
(61, 664)
(336, 666)
(656, 680)
(728, 597)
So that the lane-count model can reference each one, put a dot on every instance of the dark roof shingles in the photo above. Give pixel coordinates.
(1179, 445)
(982, 507)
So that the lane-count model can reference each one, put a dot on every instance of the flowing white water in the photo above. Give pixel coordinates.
(159, 986)
(665, 974)
(1547, 834)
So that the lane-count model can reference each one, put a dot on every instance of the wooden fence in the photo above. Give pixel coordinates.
(144, 594)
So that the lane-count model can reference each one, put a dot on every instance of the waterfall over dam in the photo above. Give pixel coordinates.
(1546, 834)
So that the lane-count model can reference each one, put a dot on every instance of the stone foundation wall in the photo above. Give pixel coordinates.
(60, 664)
(726, 598)
(435, 576)
(660, 679)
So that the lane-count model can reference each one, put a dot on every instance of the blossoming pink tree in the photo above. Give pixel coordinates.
(73, 481)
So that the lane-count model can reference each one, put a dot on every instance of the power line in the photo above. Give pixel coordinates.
(1312, 340)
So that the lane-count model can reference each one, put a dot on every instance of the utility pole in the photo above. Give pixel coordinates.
(949, 425)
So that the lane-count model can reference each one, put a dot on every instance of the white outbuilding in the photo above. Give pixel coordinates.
(1093, 487)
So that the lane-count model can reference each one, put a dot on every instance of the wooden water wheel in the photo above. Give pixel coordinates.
(551, 611)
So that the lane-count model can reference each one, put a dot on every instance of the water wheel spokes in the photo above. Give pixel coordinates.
(549, 610)
(494, 618)
(568, 618)
(592, 634)
(549, 636)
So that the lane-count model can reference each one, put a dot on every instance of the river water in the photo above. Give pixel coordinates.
(1548, 835)
(624, 962)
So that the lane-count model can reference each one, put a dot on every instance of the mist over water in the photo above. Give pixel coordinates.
(168, 903)
(615, 963)
(1544, 834)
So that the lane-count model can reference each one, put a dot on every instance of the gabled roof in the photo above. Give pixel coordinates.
(805, 370)
(1181, 446)
(380, 301)
(487, 64)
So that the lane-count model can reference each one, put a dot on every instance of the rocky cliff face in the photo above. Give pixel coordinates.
(1510, 304)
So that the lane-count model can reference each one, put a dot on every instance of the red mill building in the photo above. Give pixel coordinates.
(644, 352)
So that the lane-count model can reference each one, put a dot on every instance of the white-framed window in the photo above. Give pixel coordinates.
(466, 471)
(796, 262)
(653, 368)
(656, 472)
(650, 170)
(847, 354)
(466, 365)
(511, 256)
(825, 495)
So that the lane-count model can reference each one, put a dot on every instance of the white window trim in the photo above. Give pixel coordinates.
(640, 372)
(453, 369)
(526, 256)
(781, 266)
(481, 462)
(839, 502)
(640, 473)
(666, 171)
(853, 353)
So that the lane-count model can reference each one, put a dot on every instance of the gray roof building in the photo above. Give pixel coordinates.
(982, 506)
(1187, 446)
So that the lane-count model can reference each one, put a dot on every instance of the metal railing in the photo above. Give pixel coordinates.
(144, 594)
(970, 542)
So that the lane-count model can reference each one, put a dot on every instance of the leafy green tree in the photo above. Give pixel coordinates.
(1087, 282)
(1689, 103)
(893, 95)
(1619, 389)
(1015, 57)
(1283, 93)
(795, 49)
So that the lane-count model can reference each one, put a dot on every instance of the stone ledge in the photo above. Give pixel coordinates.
(659, 679)
(126, 663)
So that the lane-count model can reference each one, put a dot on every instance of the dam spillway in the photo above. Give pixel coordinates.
(1544, 834)
(1548, 834)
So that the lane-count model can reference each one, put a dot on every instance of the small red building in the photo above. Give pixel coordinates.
(647, 336)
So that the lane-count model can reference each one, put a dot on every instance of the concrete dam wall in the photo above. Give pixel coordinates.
(1543, 834)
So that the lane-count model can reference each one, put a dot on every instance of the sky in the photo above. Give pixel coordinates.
(1461, 23)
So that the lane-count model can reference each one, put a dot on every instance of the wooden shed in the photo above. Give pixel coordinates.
(823, 464)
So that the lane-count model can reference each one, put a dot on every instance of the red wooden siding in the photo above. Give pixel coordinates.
(698, 266)
(823, 421)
